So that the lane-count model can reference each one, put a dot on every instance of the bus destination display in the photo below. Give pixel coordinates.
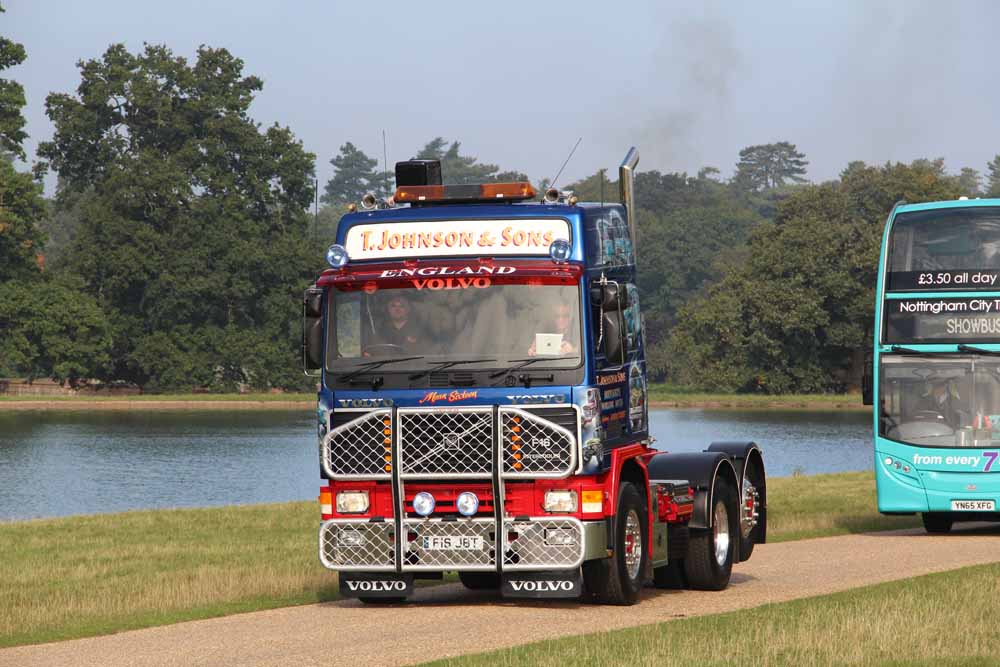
(941, 320)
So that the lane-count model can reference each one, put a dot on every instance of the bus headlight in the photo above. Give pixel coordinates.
(559, 500)
(352, 502)
(336, 256)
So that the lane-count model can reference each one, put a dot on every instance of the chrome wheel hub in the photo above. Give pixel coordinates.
(749, 512)
(720, 533)
(633, 544)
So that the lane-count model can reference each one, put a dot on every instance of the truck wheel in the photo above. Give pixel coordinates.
(937, 522)
(479, 581)
(709, 562)
(750, 527)
(618, 580)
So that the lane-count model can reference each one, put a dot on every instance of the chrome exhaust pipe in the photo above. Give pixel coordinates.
(626, 178)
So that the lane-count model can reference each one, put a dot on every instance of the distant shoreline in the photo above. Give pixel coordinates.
(299, 402)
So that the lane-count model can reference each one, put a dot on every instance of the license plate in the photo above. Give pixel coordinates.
(973, 506)
(453, 543)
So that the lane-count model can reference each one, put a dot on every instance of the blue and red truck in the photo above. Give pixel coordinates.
(483, 406)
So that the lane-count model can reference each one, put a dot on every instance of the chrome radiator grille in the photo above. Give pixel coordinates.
(535, 447)
(346, 544)
(436, 443)
(360, 447)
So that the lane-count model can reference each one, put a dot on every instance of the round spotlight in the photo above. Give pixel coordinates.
(552, 195)
(467, 503)
(559, 250)
(423, 503)
(336, 256)
(369, 201)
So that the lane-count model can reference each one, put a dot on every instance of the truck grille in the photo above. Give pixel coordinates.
(543, 543)
(359, 447)
(346, 544)
(458, 442)
(535, 447)
(453, 443)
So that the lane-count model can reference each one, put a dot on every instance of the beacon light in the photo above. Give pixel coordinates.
(559, 251)
(336, 256)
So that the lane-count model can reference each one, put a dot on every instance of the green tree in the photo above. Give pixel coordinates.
(12, 134)
(970, 182)
(52, 330)
(792, 317)
(457, 169)
(194, 225)
(993, 177)
(21, 206)
(769, 166)
(355, 175)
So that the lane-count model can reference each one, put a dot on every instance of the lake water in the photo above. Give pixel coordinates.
(63, 463)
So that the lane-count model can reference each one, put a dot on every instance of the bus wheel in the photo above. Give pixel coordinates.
(619, 579)
(709, 562)
(937, 522)
(479, 581)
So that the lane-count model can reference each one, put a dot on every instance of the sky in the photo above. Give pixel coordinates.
(688, 83)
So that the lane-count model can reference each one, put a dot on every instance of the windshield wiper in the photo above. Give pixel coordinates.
(441, 365)
(372, 365)
(978, 350)
(899, 349)
(528, 362)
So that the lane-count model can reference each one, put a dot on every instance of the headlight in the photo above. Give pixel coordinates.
(560, 537)
(467, 503)
(352, 502)
(336, 256)
(560, 500)
(423, 503)
(350, 538)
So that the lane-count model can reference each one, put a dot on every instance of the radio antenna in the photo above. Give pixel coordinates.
(552, 183)
(385, 161)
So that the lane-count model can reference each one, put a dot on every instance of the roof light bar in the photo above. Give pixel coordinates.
(420, 194)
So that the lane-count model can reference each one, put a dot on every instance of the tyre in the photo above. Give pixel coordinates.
(709, 563)
(750, 526)
(619, 579)
(937, 522)
(479, 581)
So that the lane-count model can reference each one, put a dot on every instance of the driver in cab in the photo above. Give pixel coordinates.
(560, 340)
(399, 332)
(942, 399)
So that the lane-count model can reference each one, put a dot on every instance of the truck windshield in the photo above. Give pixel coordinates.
(944, 249)
(940, 402)
(472, 325)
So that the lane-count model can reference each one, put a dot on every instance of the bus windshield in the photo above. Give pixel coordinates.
(480, 325)
(940, 401)
(944, 248)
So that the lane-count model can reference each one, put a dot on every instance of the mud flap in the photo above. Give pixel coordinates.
(558, 584)
(375, 585)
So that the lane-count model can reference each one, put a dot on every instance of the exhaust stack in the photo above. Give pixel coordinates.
(626, 176)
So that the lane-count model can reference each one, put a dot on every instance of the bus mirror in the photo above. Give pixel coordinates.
(312, 330)
(867, 388)
(614, 349)
(612, 298)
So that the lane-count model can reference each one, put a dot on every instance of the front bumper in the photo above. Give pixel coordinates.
(526, 544)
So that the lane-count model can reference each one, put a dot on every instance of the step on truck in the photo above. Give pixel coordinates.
(483, 406)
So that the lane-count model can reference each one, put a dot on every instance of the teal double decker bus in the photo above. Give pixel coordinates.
(935, 380)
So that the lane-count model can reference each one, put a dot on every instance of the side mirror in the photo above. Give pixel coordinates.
(614, 328)
(312, 330)
(867, 383)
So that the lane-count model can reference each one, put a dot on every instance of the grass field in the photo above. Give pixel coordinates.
(83, 576)
(938, 619)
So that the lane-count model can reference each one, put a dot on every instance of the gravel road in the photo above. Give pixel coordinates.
(447, 620)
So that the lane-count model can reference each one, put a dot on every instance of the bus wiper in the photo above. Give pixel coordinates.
(978, 350)
(899, 349)
(372, 365)
(528, 362)
(441, 365)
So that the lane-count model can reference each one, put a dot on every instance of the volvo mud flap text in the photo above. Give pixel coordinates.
(366, 585)
(567, 584)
